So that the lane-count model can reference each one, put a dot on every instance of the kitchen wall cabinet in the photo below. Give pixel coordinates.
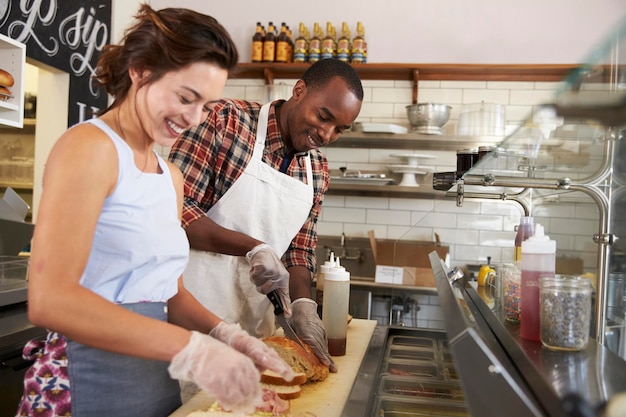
(13, 60)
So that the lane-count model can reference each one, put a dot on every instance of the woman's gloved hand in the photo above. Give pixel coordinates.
(310, 329)
(268, 273)
(220, 371)
(262, 355)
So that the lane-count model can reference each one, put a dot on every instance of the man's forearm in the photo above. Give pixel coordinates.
(299, 282)
(204, 234)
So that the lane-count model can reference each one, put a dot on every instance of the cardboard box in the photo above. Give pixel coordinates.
(405, 262)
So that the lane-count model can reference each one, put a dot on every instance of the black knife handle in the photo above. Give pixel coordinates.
(275, 299)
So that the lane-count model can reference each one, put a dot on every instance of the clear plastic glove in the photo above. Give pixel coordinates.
(262, 355)
(268, 273)
(310, 329)
(219, 370)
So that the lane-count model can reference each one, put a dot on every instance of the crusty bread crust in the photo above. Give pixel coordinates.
(301, 360)
(6, 79)
(272, 378)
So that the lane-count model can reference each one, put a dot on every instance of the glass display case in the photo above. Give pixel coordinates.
(571, 151)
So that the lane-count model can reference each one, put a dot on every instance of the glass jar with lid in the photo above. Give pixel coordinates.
(565, 311)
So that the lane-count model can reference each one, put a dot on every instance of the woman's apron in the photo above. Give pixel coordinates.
(267, 205)
(102, 384)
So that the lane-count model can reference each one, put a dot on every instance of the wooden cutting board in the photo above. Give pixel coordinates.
(322, 399)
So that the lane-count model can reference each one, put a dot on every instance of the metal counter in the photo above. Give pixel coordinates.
(499, 372)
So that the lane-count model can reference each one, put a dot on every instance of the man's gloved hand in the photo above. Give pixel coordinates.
(263, 356)
(219, 370)
(310, 329)
(268, 273)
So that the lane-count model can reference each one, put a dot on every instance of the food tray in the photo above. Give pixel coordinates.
(411, 368)
(400, 407)
(13, 279)
(412, 354)
(421, 388)
(412, 341)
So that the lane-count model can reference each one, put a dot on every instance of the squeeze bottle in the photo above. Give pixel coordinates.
(324, 268)
(538, 259)
(335, 308)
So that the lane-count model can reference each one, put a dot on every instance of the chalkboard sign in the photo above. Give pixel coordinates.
(66, 35)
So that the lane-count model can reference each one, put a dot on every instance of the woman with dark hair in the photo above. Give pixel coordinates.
(108, 249)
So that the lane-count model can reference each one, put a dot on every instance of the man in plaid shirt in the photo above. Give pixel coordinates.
(254, 184)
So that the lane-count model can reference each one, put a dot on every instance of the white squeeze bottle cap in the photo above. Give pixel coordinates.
(328, 263)
(337, 273)
(539, 243)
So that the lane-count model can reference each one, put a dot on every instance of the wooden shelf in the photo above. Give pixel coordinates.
(408, 72)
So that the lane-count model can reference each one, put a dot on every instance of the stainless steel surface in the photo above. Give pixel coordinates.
(14, 236)
(13, 279)
(408, 372)
(279, 312)
(486, 348)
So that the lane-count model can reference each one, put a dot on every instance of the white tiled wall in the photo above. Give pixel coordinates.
(475, 231)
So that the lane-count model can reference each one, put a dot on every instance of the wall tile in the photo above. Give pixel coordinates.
(390, 217)
(361, 230)
(531, 97)
(488, 96)
(336, 214)
(479, 85)
(391, 95)
(333, 201)
(369, 202)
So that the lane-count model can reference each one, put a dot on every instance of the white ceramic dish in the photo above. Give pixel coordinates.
(381, 128)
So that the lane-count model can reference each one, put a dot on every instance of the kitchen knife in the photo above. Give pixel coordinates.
(279, 312)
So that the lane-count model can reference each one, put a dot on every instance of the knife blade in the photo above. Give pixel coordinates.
(279, 312)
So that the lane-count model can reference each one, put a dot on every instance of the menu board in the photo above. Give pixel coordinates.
(68, 36)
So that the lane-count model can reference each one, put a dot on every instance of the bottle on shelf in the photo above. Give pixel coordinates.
(357, 53)
(301, 45)
(525, 230)
(269, 44)
(291, 43)
(343, 44)
(538, 260)
(282, 45)
(257, 43)
(329, 47)
(335, 308)
(315, 44)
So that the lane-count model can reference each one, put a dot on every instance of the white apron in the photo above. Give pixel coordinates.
(267, 205)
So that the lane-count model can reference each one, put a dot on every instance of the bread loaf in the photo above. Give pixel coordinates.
(6, 79)
(301, 360)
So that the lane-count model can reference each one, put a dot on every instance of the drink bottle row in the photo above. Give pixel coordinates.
(272, 46)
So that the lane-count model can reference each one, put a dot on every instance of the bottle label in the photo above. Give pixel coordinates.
(269, 51)
(343, 50)
(314, 50)
(358, 51)
(257, 51)
(300, 49)
(328, 50)
(282, 51)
